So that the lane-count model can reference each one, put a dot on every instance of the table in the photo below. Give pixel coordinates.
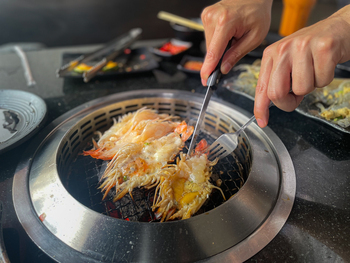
(317, 229)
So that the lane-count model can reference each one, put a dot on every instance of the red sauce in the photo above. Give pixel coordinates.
(173, 49)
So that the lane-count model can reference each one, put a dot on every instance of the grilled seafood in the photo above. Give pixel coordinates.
(137, 165)
(142, 126)
(184, 186)
(337, 101)
(140, 147)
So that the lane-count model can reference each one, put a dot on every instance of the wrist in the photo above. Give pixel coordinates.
(343, 19)
(343, 13)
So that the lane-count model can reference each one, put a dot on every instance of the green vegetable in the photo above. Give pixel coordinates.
(339, 118)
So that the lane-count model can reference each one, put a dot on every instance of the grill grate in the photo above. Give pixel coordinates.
(80, 174)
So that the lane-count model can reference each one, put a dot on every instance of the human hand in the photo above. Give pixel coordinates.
(246, 21)
(308, 58)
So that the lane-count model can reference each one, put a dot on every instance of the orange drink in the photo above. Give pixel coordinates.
(295, 15)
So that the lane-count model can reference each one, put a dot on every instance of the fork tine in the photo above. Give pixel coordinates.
(213, 146)
(214, 155)
(217, 147)
(219, 153)
(223, 155)
(227, 143)
(217, 143)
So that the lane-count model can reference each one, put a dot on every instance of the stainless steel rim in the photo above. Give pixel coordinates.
(210, 237)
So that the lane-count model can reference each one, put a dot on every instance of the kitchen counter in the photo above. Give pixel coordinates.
(318, 228)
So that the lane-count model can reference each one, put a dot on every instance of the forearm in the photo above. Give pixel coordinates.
(343, 29)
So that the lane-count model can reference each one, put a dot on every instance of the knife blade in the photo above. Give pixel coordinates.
(212, 83)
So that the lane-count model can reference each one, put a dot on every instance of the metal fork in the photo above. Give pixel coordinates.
(227, 143)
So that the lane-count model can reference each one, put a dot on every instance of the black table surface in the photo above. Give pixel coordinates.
(318, 228)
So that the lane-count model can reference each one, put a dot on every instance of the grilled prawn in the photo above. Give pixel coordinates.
(184, 186)
(142, 126)
(138, 146)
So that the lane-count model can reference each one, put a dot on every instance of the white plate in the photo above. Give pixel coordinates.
(21, 116)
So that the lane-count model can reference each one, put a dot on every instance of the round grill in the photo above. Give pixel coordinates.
(57, 200)
(80, 174)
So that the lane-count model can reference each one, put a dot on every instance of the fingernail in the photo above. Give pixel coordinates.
(226, 67)
(204, 83)
(261, 123)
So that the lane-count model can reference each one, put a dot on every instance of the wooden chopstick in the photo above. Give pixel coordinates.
(180, 20)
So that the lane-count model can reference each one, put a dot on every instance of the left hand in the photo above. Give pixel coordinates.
(308, 57)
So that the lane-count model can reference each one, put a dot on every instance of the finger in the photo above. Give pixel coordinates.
(278, 90)
(208, 34)
(209, 24)
(238, 50)
(279, 87)
(216, 48)
(261, 104)
(303, 73)
(203, 73)
(324, 65)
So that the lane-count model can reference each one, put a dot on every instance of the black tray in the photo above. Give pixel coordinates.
(137, 61)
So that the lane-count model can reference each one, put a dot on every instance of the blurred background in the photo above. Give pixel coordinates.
(52, 23)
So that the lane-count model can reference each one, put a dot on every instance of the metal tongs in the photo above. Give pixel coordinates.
(110, 51)
(212, 83)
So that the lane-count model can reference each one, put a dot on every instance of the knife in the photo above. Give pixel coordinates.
(109, 47)
(212, 83)
(125, 42)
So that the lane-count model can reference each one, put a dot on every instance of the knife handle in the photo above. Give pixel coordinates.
(215, 76)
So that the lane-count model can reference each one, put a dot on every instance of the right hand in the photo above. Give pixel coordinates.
(247, 21)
